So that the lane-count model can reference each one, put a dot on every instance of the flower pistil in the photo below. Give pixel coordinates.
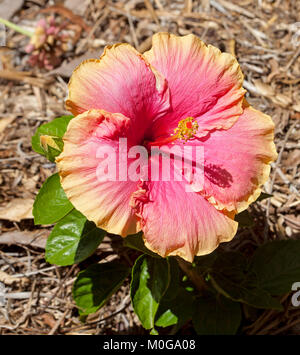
(186, 130)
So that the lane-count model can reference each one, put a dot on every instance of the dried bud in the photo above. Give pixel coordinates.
(48, 43)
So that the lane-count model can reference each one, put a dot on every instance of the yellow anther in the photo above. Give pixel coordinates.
(186, 128)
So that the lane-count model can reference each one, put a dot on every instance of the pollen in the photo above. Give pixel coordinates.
(186, 129)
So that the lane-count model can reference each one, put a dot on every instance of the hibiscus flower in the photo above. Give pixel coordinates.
(180, 91)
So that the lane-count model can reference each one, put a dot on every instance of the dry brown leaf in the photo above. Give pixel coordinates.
(17, 209)
(6, 278)
(8, 8)
(67, 68)
(296, 107)
(282, 100)
(264, 89)
(35, 239)
(4, 122)
(267, 91)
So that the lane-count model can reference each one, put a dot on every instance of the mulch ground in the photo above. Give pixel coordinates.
(35, 297)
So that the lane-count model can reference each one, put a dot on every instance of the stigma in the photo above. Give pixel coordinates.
(186, 129)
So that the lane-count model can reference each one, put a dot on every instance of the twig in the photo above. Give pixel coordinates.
(20, 76)
(274, 176)
(35, 272)
(132, 30)
(152, 11)
(16, 28)
(58, 323)
(22, 295)
(26, 312)
(296, 54)
(286, 327)
(61, 284)
(193, 275)
(230, 6)
(123, 305)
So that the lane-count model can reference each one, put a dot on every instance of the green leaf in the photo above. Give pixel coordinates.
(51, 203)
(55, 129)
(216, 316)
(135, 241)
(150, 280)
(72, 240)
(204, 263)
(153, 332)
(277, 265)
(174, 280)
(95, 285)
(263, 196)
(230, 276)
(175, 311)
(176, 304)
(244, 219)
(52, 153)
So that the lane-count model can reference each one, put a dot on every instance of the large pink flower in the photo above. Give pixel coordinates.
(181, 88)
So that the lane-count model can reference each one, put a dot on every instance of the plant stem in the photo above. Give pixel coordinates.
(193, 275)
(16, 27)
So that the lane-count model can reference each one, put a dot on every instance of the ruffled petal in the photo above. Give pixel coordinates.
(237, 161)
(204, 83)
(104, 202)
(177, 222)
(121, 81)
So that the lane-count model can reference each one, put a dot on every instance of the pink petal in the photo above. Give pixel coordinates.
(204, 83)
(42, 23)
(51, 30)
(237, 160)
(120, 81)
(29, 48)
(104, 202)
(176, 222)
